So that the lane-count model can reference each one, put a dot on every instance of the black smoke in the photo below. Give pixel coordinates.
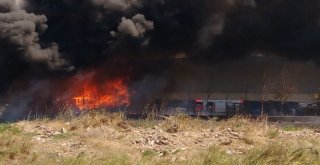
(41, 39)
(90, 30)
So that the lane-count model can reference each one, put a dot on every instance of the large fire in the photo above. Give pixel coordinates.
(89, 94)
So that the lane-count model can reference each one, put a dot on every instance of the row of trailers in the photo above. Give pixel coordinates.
(224, 108)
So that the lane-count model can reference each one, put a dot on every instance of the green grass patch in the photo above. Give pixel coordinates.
(82, 159)
(291, 128)
(272, 133)
(148, 153)
(6, 127)
(62, 136)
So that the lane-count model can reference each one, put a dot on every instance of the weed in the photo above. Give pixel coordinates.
(144, 123)
(62, 136)
(9, 128)
(291, 128)
(96, 119)
(214, 156)
(248, 140)
(182, 122)
(272, 133)
(148, 153)
(14, 147)
(276, 153)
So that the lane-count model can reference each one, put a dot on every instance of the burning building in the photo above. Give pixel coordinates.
(89, 94)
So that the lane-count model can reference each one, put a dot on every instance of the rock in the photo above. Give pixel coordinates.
(174, 135)
(150, 142)
(175, 151)
(185, 134)
(181, 158)
(88, 129)
(226, 141)
(162, 141)
(63, 130)
(183, 148)
(57, 133)
(163, 153)
(229, 152)
(43, 136)
(235, 134)
(156, 127)
(173, 129)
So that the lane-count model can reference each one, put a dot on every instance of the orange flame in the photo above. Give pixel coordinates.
(91, 95)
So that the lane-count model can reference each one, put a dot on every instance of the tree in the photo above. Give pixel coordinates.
(285, 88)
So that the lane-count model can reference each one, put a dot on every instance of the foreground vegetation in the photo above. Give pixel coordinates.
(101, 138)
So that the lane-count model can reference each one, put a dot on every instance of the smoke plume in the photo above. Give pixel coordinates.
(41, 39)
(118, 5)
(21, 30)
(135, 27)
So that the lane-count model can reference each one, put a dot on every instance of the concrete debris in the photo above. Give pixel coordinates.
(225, 141)
(44, 131)
(173, 129)
(63, 130)
(229, 152)
(233, 133)
(317, 130)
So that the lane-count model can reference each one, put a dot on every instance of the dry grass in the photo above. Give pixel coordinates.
(183, 122)
(273, 133)
(14, 146)
(96, 119)
(272, 154)
(288, 154)
(106, 141)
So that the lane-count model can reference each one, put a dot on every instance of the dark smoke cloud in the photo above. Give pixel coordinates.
(136, 37)
(135, 27)
(118, 5)
(214, 29)
(21, 30)
(201, 29)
